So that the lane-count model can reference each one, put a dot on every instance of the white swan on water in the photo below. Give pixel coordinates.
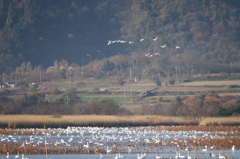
(108, 151)
(23, 157)
(17, 155)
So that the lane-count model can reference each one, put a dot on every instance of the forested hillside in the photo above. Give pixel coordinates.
(202, 33)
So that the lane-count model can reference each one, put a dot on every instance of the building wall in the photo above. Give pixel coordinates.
(11, 85)
(3, 86)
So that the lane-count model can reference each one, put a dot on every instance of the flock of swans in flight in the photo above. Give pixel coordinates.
(130, 42)
(115, 140)
(141, 40)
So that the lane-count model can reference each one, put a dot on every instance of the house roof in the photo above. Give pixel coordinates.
(10, 82)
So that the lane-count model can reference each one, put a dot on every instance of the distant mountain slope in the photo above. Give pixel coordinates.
(207, 28)
(46, 30)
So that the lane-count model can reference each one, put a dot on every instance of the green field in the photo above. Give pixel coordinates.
(52, 97)
(117, 99)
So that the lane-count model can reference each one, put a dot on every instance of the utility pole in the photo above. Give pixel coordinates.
(46, 97)
(40, 74)
(179, 71)
(124, 96)
(231, 67)
(141, 86)
(176, 73)
(82, 67)
(130, 73)
(16, 81)
(3, 77)
(168, 77)
(70, 80)
(67, 100)
(131, 93)
(192, 69)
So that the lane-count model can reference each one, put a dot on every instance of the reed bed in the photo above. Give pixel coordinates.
(51, 149)
(37, 121)
(220, 121)
(195, 128)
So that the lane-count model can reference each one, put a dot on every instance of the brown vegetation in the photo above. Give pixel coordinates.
(15, 121)
(18, 121)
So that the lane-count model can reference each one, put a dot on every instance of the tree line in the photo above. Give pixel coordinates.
(68, 103)
(120, 67)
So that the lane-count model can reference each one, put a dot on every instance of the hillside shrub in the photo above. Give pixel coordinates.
(55, 91)
(98, 75)
(157, 82)
(120, 82)
(33, 88)
(233, 86)
(69, 97)
(79, 84)
(6, 92)
(105, 107)
(172, 81)
(95, 90)
(22, 84)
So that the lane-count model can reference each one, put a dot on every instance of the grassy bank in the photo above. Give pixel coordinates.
(33, 121)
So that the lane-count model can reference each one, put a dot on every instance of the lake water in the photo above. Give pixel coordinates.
(129, 142)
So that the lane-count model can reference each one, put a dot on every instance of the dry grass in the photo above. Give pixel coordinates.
(23, 121)
(220, 121)
(34, 121)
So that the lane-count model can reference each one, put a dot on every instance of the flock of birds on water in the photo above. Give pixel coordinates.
(122, 141)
